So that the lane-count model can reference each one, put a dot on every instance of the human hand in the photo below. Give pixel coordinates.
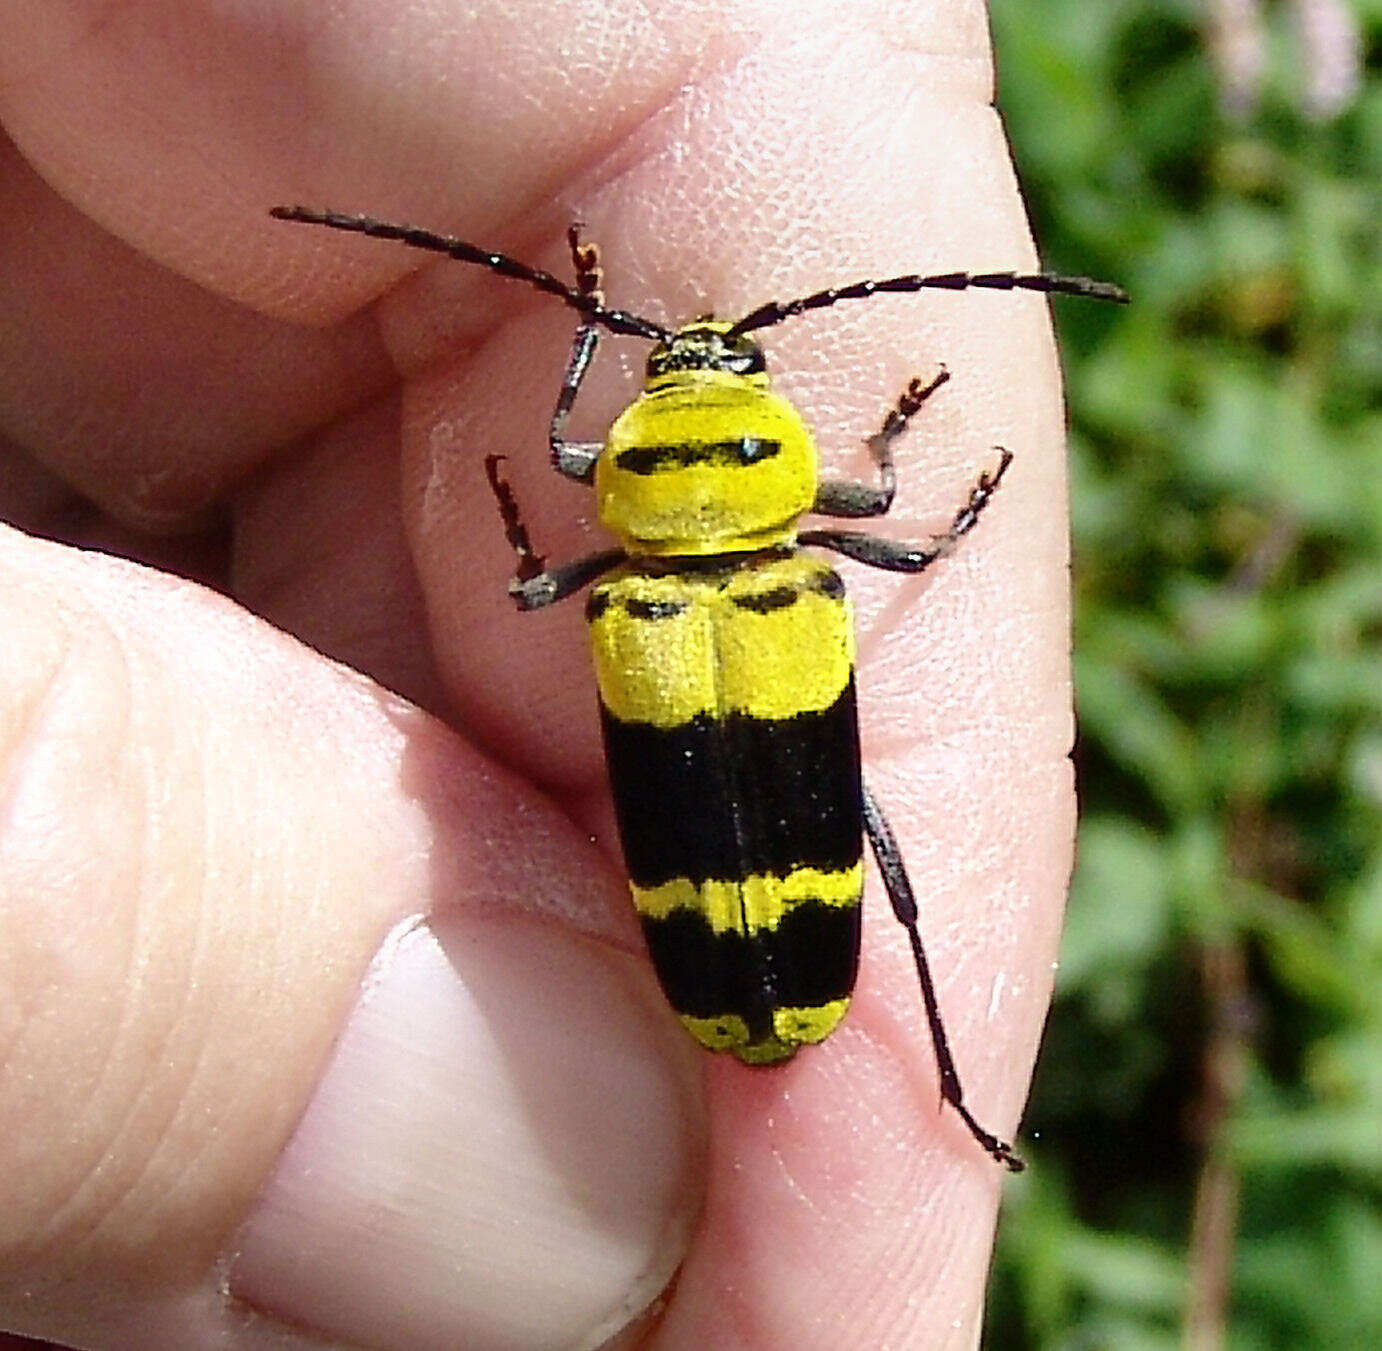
(213, 839)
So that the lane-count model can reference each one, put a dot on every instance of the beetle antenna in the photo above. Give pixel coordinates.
(775, 311)
(617, 321)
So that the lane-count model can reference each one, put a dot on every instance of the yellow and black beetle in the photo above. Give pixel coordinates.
(724, 657)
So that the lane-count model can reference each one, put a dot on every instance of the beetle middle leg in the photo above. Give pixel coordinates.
(896, 556)
(535, 585)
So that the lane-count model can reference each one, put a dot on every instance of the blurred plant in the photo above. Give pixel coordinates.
(1328, 42)
(1331, 48)
(1207, 1117)
(1237, 33)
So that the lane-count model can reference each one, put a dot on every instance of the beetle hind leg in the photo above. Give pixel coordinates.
(899, 888)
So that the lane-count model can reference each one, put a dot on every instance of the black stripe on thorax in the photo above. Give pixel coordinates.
(808, 959)
(728, 797)
(732, 454)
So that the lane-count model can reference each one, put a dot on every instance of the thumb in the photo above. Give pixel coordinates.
(313, 1030)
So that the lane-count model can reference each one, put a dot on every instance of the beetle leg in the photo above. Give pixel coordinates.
(530, 562)
(546, 588)
(843, 497)
(896, 556)
(899, 888)
(534, 586)
(576, 459)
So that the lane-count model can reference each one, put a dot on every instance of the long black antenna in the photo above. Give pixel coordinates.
(617, 321)
(775, 311)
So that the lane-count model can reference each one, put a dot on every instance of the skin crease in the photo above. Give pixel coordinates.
(184, 362)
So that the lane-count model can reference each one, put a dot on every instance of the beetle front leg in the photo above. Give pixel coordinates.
(576, 459)
(842, 497)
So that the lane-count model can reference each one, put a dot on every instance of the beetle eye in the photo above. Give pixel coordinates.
(748, 359)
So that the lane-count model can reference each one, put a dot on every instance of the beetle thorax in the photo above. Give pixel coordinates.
(707, 459)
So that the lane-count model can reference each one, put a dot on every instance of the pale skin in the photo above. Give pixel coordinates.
(167, 351)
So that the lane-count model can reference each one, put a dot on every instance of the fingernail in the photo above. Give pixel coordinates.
(504, 1152)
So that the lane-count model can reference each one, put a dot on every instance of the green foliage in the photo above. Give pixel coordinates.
(1225, 926)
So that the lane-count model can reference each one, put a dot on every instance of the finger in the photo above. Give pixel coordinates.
(37, 501)
(142, 390)
(319, 550)
(171, 128)
(209, 838)
(176, 125)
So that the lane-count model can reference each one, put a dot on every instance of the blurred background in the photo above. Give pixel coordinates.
(1206, 1125)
